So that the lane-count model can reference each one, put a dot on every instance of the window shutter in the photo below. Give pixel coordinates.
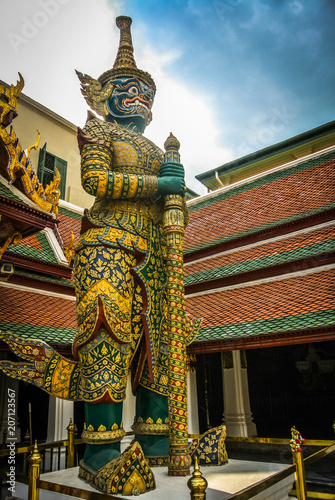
(41, 163)
(61, 165)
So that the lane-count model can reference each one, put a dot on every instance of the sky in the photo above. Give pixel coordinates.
(232, 76)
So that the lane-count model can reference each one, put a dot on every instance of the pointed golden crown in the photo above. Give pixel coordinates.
(124, 65)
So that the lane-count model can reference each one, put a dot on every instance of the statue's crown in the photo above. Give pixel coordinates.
(124, 65)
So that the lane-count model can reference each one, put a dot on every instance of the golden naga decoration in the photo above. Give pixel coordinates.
(68, 252)
(8, 98)
(20, 171)
(13, 239)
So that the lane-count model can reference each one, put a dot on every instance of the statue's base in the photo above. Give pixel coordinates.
(223, 481)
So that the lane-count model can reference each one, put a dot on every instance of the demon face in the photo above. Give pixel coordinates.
(130, 103)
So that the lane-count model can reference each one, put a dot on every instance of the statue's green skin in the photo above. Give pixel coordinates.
(130, 105)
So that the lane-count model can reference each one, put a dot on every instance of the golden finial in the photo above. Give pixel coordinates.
(171, 143)
(125, 57)
(124, 65)
(70, 427)
(197, 483)
(35, 457)
(296, 440)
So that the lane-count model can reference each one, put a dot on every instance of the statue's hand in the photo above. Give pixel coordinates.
(171, 185)
(170, 169)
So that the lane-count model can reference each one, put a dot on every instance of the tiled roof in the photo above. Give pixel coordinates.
(35, 315)
(306, 244)
(43, 277)
(280, 197)
(49, 334)
(32, 241)
(68, 221)
(277, 306)
(36, 247)
(7, 193)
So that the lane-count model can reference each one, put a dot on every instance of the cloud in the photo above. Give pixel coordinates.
(184, 112)
(223, 68)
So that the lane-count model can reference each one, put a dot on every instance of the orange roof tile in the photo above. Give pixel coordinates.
(32, 241)
(66, 225)
(243, 209)
(18, 306)
(277, 299)
(282, 245)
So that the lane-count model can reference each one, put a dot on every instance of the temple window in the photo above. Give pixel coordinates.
(47, 163)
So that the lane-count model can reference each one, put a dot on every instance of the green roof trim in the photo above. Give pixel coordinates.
(274, 149)
(46, 254)
(235, 331)
(7, 193)
(263, 227)
(261, 262)
(44, 277)
(266, 179)
(69, 213)
(46, 333)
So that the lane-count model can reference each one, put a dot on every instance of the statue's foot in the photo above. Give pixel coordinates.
(97, 456)
(209, 448)
(128, 474)
(156, 450)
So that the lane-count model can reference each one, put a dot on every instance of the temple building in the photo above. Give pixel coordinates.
(259, 267)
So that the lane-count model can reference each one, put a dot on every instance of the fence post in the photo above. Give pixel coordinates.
(70, 436)
(197, 483)
(298, 460)
(34, 473)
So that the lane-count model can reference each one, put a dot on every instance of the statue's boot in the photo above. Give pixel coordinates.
(103, 466)
(151, 425)
(102, 434)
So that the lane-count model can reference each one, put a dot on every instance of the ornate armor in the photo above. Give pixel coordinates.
(116, 300)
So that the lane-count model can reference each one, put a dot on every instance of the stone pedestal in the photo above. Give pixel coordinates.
(223, 481)
(237, 414)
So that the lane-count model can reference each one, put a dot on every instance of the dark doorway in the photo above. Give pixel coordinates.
(293, 385)
(210, 391)
(39, 401)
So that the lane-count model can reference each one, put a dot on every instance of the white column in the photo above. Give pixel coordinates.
(237, 414)
(60, 412)
(192, 403)
(128, 414)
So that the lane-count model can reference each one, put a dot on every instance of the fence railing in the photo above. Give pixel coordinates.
(298, 468)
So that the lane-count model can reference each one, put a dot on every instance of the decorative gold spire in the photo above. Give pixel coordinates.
(124, 58)
(171, 143)
(197, 483)
(124, 65)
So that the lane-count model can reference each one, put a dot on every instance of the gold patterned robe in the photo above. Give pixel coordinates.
(119, 265)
